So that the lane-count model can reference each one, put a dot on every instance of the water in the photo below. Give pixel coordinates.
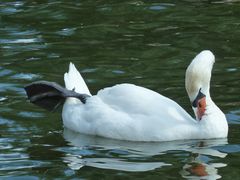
(148, 43)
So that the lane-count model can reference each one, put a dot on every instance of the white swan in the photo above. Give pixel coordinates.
(130, 112)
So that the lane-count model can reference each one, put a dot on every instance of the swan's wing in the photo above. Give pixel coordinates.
(133, 99)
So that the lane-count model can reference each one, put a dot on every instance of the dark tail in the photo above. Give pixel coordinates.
(50, 95)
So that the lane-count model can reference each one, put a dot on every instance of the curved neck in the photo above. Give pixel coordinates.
(213, 123)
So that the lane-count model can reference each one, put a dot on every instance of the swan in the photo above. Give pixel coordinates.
(134, 113)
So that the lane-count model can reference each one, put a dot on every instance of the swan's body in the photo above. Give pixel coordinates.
(130, 112)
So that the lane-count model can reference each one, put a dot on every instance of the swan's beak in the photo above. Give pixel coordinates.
(200, 104)
(201, 107)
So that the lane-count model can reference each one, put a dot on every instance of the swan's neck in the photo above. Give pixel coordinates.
(213, 110)
(213, 123)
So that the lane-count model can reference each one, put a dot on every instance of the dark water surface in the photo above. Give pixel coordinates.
(148, 43)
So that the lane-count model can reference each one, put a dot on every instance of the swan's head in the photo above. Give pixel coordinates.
(197, 81)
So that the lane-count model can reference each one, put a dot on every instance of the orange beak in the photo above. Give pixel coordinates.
(201, 107)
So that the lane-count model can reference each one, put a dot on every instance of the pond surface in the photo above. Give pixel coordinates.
(148, 43)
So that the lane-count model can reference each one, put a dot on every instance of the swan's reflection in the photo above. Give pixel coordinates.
(136, 156)
(196, 168)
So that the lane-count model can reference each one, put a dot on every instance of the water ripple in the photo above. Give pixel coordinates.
(26, 76)
(76, 163)
(30, 114)
(66, 31)
(19, 41)
(4, 72)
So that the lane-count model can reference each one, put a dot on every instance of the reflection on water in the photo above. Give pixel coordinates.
(196, 168)
(129, 154)
(147, 43)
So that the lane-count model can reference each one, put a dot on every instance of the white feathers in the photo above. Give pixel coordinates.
(74, 81)
(198, 74)
(130, 112)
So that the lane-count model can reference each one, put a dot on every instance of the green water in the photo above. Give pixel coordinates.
(148, 43)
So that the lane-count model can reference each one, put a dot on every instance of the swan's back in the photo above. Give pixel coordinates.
(134, 99)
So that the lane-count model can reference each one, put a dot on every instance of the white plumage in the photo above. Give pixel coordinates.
(130, 112)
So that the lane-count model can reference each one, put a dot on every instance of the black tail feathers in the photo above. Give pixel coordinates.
(50, 95)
